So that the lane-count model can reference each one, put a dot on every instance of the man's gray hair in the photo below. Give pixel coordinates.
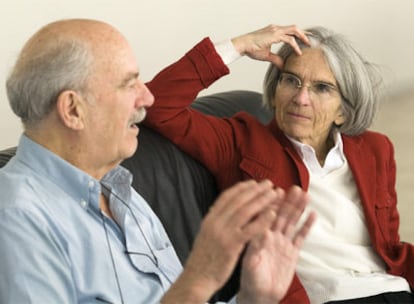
(358, 80)
(42, 73)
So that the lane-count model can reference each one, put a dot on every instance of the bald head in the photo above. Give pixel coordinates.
(60, 56)
(95, 34)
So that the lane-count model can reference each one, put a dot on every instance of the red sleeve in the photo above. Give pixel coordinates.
(371, 158)
(183, 80)
(206, 138)
(403, 253)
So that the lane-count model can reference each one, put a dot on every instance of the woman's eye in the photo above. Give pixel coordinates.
(290, 80)
(323, 88)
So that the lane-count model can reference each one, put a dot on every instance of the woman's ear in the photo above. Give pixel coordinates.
(273, 102)
(70, 109)
(340, 119)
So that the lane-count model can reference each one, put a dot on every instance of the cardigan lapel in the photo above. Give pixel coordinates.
(290, 150)
(363, 168)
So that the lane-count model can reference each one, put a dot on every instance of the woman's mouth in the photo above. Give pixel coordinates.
(298, 116)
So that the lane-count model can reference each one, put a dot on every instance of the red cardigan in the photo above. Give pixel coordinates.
(241, 148)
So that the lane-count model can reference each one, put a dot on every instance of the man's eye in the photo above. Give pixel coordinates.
(131, 84)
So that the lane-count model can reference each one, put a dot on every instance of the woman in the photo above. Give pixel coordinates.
(323, 94)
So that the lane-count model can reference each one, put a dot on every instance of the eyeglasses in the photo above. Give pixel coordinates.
(318, 90)
(152, 257)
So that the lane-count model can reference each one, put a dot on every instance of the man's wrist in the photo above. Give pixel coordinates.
(190, 288)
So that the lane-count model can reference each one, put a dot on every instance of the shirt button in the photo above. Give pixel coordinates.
(84, 204)
(91, 184)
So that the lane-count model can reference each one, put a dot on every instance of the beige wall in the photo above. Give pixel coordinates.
(394, 119)
(162, 30)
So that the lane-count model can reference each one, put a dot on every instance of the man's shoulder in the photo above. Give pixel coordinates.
(22, 188)
(14, 181)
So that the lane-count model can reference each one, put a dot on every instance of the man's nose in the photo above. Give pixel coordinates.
(145, 97)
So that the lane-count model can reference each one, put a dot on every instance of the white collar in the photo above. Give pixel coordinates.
(334, 159)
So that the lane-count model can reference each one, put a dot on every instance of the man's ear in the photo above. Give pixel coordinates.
(70, 108)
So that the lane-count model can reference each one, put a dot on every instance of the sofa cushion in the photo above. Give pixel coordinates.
(6, 154)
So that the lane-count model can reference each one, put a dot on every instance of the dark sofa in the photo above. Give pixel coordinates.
(178, 188)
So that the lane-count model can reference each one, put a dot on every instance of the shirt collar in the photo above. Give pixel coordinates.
(75, 182)
(334, 159)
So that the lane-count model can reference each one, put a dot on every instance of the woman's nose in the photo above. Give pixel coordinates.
(303, 95)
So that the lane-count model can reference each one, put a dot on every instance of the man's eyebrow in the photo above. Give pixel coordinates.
(129, 77)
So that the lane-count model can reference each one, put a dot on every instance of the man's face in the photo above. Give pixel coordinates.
(118, 96)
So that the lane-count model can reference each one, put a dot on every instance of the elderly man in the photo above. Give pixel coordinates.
(72, 229)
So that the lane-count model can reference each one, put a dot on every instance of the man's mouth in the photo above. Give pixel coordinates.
(138, 117)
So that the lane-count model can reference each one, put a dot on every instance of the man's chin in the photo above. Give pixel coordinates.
(131, 149)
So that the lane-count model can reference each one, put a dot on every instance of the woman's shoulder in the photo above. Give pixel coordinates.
(375, 140)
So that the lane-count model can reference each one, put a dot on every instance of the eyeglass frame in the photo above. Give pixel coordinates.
(300, 84)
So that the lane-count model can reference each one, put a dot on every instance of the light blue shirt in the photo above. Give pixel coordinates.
(56, 246)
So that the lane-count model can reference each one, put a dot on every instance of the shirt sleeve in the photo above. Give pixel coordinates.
(226, 51)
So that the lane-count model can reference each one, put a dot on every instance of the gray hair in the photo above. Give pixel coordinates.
(44, 70)
(358, 80)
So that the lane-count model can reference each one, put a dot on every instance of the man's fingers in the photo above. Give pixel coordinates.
(304, 230)
(247, 197)
(238, 195)
(240, 211)
(291, 209)
(257, 211)
(259, 225)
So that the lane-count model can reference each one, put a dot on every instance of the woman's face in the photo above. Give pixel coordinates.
(307, 99)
